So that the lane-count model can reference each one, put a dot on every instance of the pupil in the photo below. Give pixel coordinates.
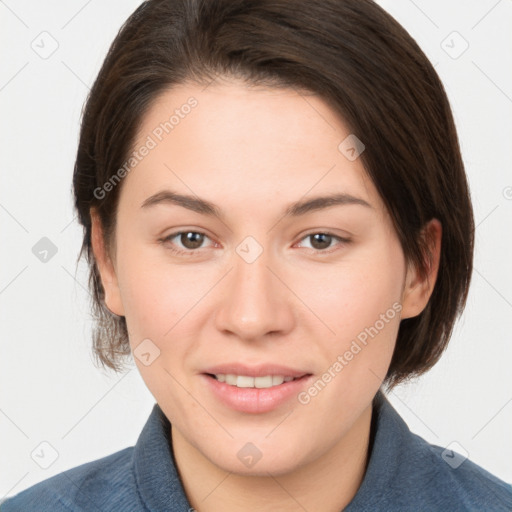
(324, 242)
(191, 240)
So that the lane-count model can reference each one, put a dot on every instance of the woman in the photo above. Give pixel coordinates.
(278, 227)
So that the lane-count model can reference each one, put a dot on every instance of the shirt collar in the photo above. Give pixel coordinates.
(388, 430)
(155, 468)
(160, 486)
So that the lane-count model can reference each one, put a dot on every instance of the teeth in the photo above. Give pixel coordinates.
(244, 381)
(231, 379)
(279, 379)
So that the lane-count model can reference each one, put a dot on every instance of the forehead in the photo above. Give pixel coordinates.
(241, 141)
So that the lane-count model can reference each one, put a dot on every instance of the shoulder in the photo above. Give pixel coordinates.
(407, 473)
(103, 484)
(447, 478)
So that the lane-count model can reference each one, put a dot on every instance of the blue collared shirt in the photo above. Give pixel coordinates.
(404, 473)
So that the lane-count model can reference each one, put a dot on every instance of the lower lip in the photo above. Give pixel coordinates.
(255, 400)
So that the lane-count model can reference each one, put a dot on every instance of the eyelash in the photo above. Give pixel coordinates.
(190, 252)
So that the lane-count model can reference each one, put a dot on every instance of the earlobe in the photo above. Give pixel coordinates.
(419, 285)
(105, 267)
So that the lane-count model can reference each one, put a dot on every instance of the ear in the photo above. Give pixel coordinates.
(105, 267)
(418, 287)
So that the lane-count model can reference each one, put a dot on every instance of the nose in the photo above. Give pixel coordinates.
(255, 301)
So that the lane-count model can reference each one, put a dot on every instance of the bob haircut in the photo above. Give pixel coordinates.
(353, 55)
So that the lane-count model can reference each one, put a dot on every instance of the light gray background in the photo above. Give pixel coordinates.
(49, 389)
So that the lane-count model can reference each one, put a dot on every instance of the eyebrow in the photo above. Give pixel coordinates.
(296, 209)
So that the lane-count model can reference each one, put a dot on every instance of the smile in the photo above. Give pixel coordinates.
(255, 394)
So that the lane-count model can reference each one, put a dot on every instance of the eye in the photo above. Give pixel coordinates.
(322, 240)
(190, 240)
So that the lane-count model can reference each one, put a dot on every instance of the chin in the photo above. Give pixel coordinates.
(271, 466)
(258, 458)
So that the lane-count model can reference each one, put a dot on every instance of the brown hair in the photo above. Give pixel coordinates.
(352, 54)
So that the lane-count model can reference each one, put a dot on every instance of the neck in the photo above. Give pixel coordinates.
(328, 483)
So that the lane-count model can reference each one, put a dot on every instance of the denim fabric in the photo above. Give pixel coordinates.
(405, 473)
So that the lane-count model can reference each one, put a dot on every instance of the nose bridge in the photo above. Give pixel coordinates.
(252, 277)
(254, 303)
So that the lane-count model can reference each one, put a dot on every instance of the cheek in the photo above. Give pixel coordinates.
(157, 294)
(360, 302)
(352, 296)
(159, 301)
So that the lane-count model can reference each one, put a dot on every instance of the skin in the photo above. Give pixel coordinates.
(253, 151)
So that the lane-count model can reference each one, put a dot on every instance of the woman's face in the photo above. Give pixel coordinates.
(266, 281)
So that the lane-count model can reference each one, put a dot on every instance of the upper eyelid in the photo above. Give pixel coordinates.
(170, 236)
(341, 239)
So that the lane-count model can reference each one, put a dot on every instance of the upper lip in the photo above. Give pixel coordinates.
(260, 370)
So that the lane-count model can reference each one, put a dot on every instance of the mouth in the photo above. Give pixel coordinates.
(255, 394)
